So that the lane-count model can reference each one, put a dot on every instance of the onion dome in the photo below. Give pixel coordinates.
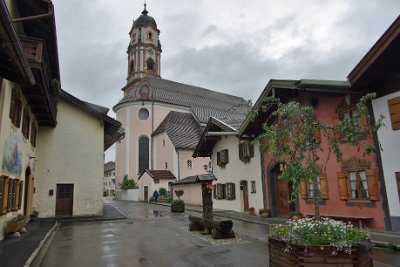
(145, 20)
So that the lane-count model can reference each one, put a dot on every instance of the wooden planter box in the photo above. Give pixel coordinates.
(16, 225)
(316, 255)
(177, 207)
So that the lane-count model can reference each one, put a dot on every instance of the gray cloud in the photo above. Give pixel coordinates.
(233, 47)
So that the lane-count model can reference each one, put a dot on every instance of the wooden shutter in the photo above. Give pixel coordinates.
(1, 193)
(14, 195)
(372, 181)
(398, 183)
(10, 194)
(219, 158)
(324, 188)
(251, 146)
(342, 183)
(215, 191)
(364, 121)
(21, 187)
(224, 157)
(394, 110)
(303, 189)
(241, 151)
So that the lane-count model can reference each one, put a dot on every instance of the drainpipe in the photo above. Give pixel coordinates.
(5, 15)
(36, 17)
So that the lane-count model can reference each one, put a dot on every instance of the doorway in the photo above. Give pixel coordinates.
(245, 194)
(64, 199)
(146, 193)
(28, 195)
(282, 191)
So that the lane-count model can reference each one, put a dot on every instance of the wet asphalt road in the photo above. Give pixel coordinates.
(153, 236)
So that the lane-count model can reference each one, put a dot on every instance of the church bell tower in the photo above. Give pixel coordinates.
(144, 50)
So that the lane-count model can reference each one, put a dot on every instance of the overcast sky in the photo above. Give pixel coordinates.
(231, 46)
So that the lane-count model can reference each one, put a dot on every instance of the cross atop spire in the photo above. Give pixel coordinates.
(144, 10)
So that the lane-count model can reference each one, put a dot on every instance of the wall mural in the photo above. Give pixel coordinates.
(12, 156)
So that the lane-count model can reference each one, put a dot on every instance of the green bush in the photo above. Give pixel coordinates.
(163, 192)
(152, 199)
(128, 183)
(177, 202)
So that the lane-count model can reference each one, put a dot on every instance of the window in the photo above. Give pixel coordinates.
(143, 114)
(149, 35)
(143, 153)
(33, 134)
(222, 157)
(230, 191)
(209, 165)
(307, 190)
(189, 164)
(163, 142)
(253, 187)
(166, 165)
(357, 181)
(220, 191)
(15, 109)
(358, 185)
(394, 110)
(131, 66)
(26, 122)
(150, 64)
(246, 151)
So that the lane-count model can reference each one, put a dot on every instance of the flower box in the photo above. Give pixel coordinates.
(16, 224)
(297, 255)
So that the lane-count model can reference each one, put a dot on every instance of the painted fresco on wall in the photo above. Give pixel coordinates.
(12, 156)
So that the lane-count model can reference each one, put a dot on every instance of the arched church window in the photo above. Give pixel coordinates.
(143, 114)
(150, 64)
(149, 35)
(143, 153)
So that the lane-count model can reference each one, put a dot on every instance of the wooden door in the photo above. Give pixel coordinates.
(146, 193)
(28, 196)
(64, 199)
(282, 196)
(245, 195)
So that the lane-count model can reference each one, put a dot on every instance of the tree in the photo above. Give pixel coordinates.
(291, 132)
(128, 183)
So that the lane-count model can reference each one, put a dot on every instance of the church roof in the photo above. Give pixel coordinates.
(182, 128)
(202, 102)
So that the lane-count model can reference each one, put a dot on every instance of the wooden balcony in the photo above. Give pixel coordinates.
(42, 96)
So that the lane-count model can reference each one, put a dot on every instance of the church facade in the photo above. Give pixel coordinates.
(164, 119)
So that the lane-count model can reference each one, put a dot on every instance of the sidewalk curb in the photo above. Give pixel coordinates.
(40, 251)
(383, 245)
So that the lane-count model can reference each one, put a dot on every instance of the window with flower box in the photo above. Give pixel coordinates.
(246, 151)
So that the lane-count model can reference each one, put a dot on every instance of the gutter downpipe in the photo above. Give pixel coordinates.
(16, 42)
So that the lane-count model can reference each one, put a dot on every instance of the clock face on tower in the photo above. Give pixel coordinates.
(150, 51)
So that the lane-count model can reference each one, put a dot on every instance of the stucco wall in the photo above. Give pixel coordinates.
(131, 194)
(197, 164)
(390, 141)
(71, 153)
(127, 151)
(163, 152)
(191, 193)
(27, 150)
(147, 180)
(235, 171)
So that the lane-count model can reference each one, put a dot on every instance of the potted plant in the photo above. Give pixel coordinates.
(178, 205)
(16, 223)
(264, 213)
(251, 211)
(289, 135)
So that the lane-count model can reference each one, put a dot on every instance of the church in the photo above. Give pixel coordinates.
(164, 119)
